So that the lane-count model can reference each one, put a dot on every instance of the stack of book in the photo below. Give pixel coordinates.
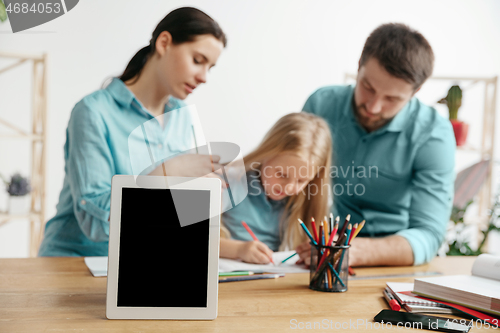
(477, 295)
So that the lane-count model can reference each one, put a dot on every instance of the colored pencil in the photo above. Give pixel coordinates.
(360, 226)
(349, 230)
(344, 227)
(320, 233)
(245, 225)
(236, 273)
(354, 233)
(354, 228)
(327, 229)
(252, 277)
(307, 232)
(336, 274)
(357, 228)
(331, 221)
(334, 231)
(289, 257)
(323, 230)
(328, 275)
(253, 235)
(315, 231)
(330, 241)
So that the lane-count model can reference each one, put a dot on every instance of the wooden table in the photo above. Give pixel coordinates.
(60, 295)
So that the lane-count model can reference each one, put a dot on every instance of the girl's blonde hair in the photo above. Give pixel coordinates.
(308, 137)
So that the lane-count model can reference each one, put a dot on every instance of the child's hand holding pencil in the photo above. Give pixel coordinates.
(255, 252)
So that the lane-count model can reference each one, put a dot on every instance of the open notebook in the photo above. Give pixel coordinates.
(229, 265)
(98, 266)
(480, 291)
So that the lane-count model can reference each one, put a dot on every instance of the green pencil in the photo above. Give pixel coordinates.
(289, 257)
(235, 273)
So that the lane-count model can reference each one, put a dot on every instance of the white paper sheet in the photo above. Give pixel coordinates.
(229, 265)
(98, 266)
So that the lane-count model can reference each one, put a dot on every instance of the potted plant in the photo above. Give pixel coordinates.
(458, 241)
(3, 13)
(18, 187)
(454, 101)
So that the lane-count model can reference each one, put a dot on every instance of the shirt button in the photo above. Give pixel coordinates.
(160, 146)
(83, 202)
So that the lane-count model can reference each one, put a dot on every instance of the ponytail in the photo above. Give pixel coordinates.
(136, 64)
(184, 24)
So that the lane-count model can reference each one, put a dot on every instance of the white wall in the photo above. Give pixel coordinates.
(278, 53)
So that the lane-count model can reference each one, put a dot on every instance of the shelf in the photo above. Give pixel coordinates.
(6, 216)
(19, 136)
(34, 131)
(474, 149)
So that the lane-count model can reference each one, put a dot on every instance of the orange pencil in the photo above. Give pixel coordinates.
(253, 235)
(326, 230)
(360, 226)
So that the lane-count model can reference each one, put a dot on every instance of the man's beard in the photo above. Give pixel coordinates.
(367, 123)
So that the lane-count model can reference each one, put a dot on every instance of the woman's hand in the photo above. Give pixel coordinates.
(254, 252)
(304, 252)
(191, 165)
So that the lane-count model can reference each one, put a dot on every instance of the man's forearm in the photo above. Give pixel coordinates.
(386, 251)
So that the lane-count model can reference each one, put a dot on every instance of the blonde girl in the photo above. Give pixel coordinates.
(288, 178)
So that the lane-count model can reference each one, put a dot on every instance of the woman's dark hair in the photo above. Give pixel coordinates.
(184, 24)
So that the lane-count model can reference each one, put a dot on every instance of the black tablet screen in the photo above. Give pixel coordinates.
(163, 264)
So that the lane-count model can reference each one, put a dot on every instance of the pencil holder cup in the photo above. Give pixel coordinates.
(329, 268)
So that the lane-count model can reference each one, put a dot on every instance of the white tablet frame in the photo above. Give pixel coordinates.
(210, 312)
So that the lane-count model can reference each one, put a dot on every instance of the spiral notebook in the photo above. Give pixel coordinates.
(402, 292)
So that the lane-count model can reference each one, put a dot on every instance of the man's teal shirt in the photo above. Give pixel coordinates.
(98, 146)
(398, 178)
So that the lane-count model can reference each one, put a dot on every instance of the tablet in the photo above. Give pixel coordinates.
(163, 248)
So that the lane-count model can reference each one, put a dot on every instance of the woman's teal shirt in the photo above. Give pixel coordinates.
(97, 148)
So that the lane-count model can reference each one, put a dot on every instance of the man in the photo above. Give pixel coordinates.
(393, 156)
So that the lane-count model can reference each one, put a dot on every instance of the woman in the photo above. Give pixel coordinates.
(184, 46)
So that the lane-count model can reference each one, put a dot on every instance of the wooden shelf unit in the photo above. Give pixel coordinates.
(38, 138)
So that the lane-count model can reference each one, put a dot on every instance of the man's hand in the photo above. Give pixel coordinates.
(304, 252)
(386, 251)
(358, 252)
(254, 252)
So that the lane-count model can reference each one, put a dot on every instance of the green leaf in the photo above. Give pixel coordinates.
(3, 13)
